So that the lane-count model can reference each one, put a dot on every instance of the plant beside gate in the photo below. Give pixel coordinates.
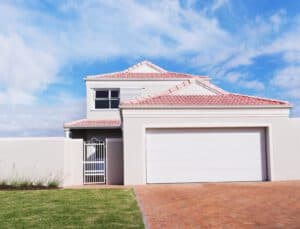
(24, 184)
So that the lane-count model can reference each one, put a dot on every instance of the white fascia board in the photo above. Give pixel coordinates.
(205, 113)
(136, 79)
(92, 128)
(137, 107)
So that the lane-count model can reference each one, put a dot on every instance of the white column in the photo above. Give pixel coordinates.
(68, 133)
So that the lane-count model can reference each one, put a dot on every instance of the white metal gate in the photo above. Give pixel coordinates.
(94, 163)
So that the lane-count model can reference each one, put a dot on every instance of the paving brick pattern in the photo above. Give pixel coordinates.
(221, 205)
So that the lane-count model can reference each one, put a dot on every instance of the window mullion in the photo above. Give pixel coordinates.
(109, 99)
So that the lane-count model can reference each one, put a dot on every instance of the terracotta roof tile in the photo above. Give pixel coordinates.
(93, 123)
(146, 76)
(203, 100)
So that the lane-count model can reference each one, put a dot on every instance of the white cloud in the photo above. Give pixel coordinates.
(288, 80)
(252, 84)
(39, 119)
(217, 4)
(288, 77)
(294, 93)
(292, 57)
(277, 19)
(244, 80)
(36, 45)
(133, 29)
(286, 42)
(24, 70)
(233, 77)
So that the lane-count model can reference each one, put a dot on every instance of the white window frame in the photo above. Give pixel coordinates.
(109, 98)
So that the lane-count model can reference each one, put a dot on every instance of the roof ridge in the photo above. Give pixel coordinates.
(175, 75)
(156, 67)
(179, 86)
(152, 75)
(102, 74)
(195, 80)
(212, 86)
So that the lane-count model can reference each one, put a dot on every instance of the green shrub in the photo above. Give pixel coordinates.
(3, 184)
(53, 184)
(39, 184)
(15, 184)
(27, 184)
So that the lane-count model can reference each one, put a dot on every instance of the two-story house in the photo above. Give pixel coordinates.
(177, 127)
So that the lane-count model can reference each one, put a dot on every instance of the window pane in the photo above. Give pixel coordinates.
(115, 93)
(101, 94)
(101, 104)
(114, 103)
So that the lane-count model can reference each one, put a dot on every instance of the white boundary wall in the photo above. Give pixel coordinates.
(41, 159)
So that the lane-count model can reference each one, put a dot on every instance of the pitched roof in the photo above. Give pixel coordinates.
(180, 95)
(93, 123)
(203, 100)
(144, 70)
(142, 76)
(173, 98)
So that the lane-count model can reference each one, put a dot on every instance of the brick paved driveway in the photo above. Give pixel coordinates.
(221, 205)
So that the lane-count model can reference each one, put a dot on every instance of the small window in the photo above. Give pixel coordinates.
(101, 94)
(107, 99)
(114, 103)
(101, 104)
(114, 93)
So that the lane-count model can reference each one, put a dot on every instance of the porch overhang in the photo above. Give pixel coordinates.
(93, 124)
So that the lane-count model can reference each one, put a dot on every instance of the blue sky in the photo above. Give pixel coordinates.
(47, 47)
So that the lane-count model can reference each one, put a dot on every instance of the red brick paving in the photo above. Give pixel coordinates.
(221, 205)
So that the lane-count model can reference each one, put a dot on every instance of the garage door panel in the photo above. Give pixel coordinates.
(194, 155)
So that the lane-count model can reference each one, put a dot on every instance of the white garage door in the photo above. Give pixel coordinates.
(199, 155)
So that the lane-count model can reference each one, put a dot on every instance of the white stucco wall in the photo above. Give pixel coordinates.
(282, 133)
(286, 149)
(41, 159)
(73, 169)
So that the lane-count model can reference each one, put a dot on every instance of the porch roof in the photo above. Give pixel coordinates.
(93, 123)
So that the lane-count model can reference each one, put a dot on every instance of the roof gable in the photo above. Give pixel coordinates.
(145, 67)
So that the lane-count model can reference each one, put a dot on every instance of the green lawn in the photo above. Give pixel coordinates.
(102, 208)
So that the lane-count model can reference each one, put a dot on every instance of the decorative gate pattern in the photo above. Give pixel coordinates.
(94, 163)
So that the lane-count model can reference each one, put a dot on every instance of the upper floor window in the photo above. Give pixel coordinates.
(107, 99)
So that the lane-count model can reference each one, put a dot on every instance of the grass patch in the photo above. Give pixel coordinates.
(102, 208)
